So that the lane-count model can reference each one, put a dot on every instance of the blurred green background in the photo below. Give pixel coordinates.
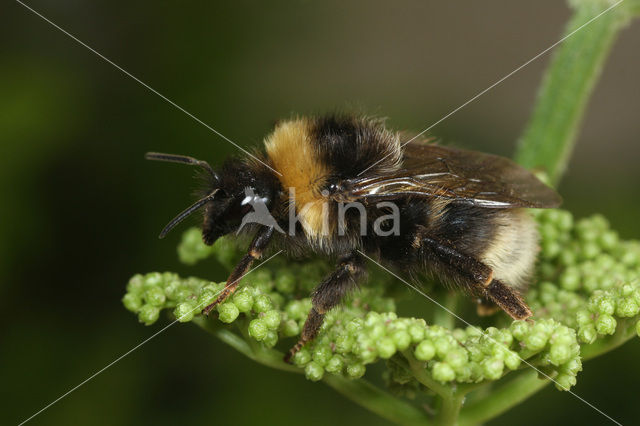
(81, 209)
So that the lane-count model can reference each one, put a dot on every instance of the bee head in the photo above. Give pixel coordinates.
(231, 193)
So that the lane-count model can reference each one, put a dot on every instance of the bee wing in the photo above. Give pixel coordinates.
(476, 178)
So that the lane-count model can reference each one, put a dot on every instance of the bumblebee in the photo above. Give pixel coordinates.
(456, 214)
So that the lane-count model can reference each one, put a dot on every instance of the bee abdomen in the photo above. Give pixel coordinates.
(511, 253)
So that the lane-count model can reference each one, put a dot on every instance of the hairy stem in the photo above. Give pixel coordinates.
(449, 398)
(502, 398)
(449, 410)
(359, 391)
(378, 401)
(549, 137)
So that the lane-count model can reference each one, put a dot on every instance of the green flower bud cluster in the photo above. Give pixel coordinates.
(192, 250)
(147, 295)
(587, 281)
(268, 297)
(555, 347)
(291, 276)
(333, 350)
(470, 355)
(605, 308)
(590, 279)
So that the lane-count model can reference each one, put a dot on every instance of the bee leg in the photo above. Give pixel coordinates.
(477, 276)
(327, 295)
(508, 299)
(257, 247)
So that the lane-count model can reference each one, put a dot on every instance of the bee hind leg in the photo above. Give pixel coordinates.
(475, 275)
(508, 299)
(328, 294)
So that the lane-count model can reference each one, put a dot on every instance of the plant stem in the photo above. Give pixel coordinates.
(359, 391)
(449, 410)
(450, 398)
(549, 137)
(378, 401)
(502, 398)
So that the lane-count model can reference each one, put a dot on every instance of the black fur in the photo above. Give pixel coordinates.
(351, 144)
(224, 214)
(445, 238)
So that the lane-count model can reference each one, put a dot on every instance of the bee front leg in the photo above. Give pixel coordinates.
(329, 294)
(256, 249)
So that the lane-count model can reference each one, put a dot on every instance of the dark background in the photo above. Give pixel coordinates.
(81, 209)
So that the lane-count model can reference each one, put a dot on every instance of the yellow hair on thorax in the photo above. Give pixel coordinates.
(292, 153)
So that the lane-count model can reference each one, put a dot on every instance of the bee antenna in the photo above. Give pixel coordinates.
(187, 212)
(184, 159)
